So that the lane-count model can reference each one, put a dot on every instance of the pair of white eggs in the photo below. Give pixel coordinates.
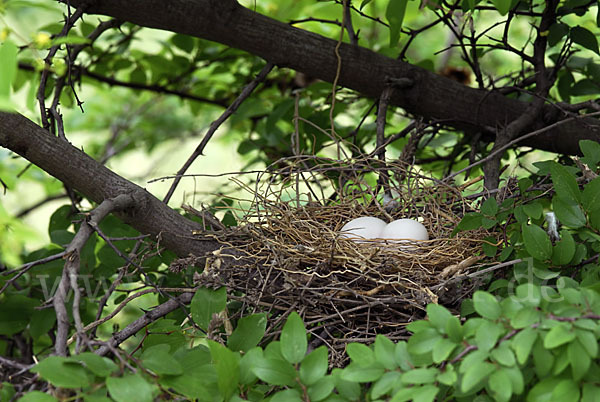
(368, 227)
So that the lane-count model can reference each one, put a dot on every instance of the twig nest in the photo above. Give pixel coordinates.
(363, 228)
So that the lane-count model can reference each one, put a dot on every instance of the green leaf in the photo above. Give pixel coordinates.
(8, 66)
(585, 87)
(537, 243)
(314, 366)
(558, 335)
(471, 221)
(100, 366)
(438, 316)
(442, 349)
(500, 385)
(591, 152)
(590, 391)
(274, 371)
(395, 15)
(504, 355)
(364, 3)
(588, 341)
(293, 339)
(426, 393)
(385, 384)
(490, 250)
(199, 377)
(420, 376)
(247, 362)
(454, 329)
(15, 313)
(359, 373)
(527, 316)
(564, 183)
(36, 396)
(489, 207)
(61, 219)
(62, 372)
(183, 42)
(524, 184)
(564, 250)
(475, 374)
(533, 209)
(131, 387)
(207, 302)
(158, 359)
(227, 366)
(585, 38)
(448, 377)
(557, 31)
(486, 305)
(542, 391)
(528, 294)
(487, 335)
(590, 197)
(568, 212)
(516, 378)
(567, 390)
(286, 395)
(579, 360)
(423, 342)
(503, 6)
(384, 352)
(402, 356)
(520, 214)
(248, 332)
(543, 359)
(472, 359)
(360, 353)
(273, 350)
(7, 392)
(321, 389)
(347, 389)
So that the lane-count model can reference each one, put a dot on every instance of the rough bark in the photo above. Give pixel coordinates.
(77, 170)
(431, 96)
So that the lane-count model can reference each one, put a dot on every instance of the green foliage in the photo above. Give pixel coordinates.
(532, 335)
(206, 303)
(524, 346)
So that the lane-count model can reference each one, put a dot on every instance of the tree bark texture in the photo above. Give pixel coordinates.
(431, 96)
(77, 170)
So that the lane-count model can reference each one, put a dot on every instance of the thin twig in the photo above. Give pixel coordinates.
(521, 138)
(476, 274)
(23, 269)
(248, 89)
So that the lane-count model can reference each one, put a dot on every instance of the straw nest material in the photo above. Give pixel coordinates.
(346, 291)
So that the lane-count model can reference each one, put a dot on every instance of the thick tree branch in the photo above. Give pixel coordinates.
(432, 96)
(77, 170)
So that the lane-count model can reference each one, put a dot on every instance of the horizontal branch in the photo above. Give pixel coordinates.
(79, 171)
(431, 96)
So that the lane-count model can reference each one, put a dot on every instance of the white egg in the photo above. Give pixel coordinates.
(405, 229)
(365, 227)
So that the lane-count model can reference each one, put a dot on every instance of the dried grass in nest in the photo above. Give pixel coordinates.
(346, 291)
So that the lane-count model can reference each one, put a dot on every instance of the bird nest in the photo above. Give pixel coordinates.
(346, 290)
